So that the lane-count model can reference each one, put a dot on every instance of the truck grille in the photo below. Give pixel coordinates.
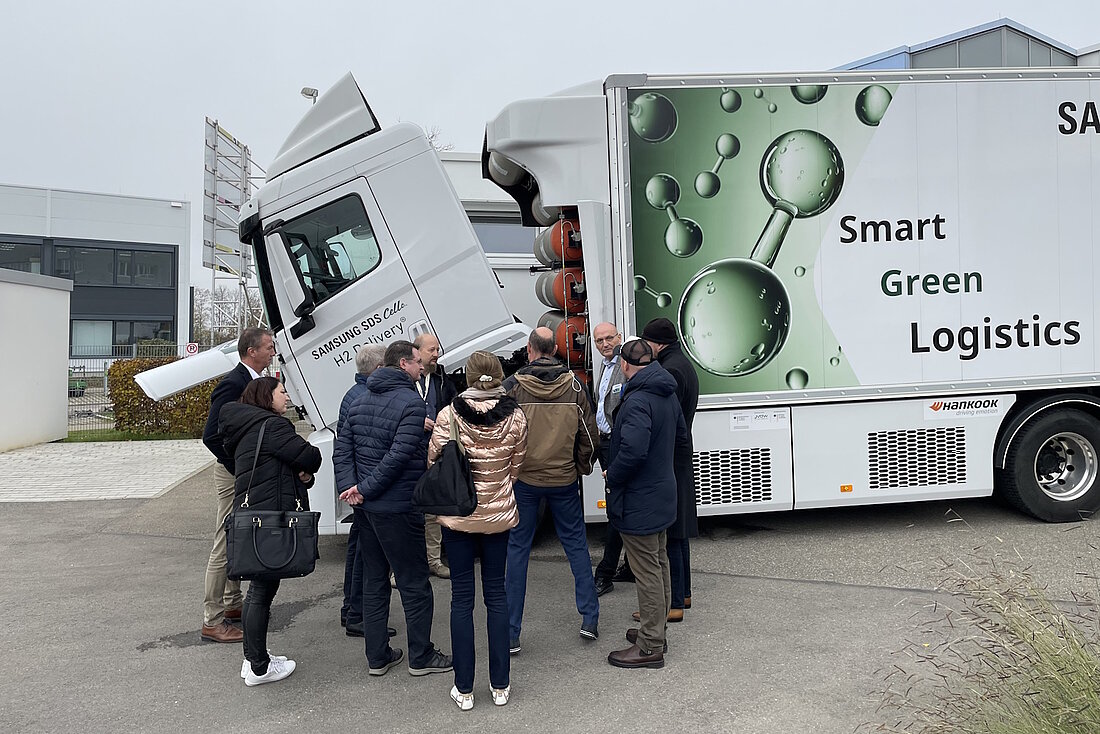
(730, 477)
(923, 457)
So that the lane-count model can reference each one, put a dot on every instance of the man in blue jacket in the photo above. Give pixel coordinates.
(380, 453)
(367, 360)
(641, 494)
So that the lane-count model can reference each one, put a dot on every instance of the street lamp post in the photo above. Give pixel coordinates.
(310, 93)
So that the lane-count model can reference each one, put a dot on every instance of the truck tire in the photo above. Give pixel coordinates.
(1051, 468)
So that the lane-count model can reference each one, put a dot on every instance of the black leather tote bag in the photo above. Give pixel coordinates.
(270, 544)
(447, 488)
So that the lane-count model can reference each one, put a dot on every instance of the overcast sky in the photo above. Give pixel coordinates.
(111, 96)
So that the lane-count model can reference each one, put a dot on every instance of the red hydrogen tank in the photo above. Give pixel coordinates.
(560, 243)
(570, 334)
(562, 289)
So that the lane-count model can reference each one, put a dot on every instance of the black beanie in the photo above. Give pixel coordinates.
(660, 331)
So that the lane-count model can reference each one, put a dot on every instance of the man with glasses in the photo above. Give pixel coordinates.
(608, 395)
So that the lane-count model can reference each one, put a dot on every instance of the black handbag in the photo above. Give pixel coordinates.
(270, 544)
(447, 488)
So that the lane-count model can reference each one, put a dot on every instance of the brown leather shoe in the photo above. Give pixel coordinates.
(634, 657)
(687, 602)
(233, 615)
(674, 615)
(223, 632)
(632, 638)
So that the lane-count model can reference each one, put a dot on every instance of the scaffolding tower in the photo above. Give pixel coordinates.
(228, 183)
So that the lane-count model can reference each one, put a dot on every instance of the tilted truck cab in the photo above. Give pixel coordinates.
(359, 238)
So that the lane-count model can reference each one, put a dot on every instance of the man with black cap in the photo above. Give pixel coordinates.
(660, 333)
(641, 495)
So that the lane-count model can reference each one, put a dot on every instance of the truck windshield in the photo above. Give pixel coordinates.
(332, 246)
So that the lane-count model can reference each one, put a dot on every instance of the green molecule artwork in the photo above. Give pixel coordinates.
(730, 100)
(707, 183)
(772, 106)
(760, 168)
(871, 104)
(809, 93)
(797, 379)
(801, 176)
(652, 117)
(664, 300)
(683, 237)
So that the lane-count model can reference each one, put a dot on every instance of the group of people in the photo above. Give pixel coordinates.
(528, 439)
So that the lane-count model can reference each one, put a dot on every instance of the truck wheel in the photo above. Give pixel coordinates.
(1052, 466)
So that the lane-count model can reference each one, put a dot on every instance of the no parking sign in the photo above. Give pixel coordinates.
(191, 349)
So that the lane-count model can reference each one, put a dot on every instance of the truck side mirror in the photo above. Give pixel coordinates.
(305, 308)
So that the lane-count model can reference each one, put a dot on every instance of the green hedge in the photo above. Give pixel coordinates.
(183, 413)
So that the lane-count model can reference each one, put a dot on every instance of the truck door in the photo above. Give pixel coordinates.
(345, 280)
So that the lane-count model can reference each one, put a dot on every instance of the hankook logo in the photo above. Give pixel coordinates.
(988, 404)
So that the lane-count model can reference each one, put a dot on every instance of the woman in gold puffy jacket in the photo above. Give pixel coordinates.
(493, 432)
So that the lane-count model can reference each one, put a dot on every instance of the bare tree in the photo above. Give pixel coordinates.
(202, 330)
(434, 134)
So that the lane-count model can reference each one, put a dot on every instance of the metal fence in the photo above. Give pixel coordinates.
(90, 406)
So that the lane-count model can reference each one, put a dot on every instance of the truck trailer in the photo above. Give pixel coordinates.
(884, 280)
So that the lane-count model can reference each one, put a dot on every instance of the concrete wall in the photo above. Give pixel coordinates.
(34, 372)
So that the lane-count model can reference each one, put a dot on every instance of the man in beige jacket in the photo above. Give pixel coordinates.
(562, 440)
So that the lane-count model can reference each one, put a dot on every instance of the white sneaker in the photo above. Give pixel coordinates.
(276, 670)
(464, 701)
(247, 666)
(500, 695)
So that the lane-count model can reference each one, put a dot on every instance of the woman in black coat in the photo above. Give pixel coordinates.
(283, 474)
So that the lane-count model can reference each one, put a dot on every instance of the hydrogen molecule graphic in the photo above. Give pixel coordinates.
(809, 93)
(652, 117)
(707, 183)
(664, 300)
(730, 100)
(759, 94)
(683, 237)
(735, 313)
(871, 104)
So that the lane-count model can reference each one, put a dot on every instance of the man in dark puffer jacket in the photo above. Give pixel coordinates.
(367, 360)
(641, 494)
(380, 453)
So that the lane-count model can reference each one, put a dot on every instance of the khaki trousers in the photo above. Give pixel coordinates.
(648, 559)
(221, 593)
(433, 541)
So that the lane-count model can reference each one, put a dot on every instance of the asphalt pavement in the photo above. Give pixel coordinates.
(796, 619)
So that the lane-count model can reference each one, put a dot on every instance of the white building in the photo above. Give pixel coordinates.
(128, 258)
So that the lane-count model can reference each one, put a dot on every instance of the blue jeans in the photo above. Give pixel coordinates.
(565, 505)
(352, 610)
(396, 541)
(679, 561)
(492, 549)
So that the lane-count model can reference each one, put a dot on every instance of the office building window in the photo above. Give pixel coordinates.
(503, 236)
(145, 330)
(21, 257)
(91, 338)
(152, 269)
(104, 266)
(125, 267)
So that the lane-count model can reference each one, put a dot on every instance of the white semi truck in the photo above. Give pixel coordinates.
(885, 281)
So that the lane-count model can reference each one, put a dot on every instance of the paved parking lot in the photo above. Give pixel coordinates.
(53, 472)
(796, 617)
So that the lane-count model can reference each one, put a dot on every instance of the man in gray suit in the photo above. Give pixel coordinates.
(608, 395)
